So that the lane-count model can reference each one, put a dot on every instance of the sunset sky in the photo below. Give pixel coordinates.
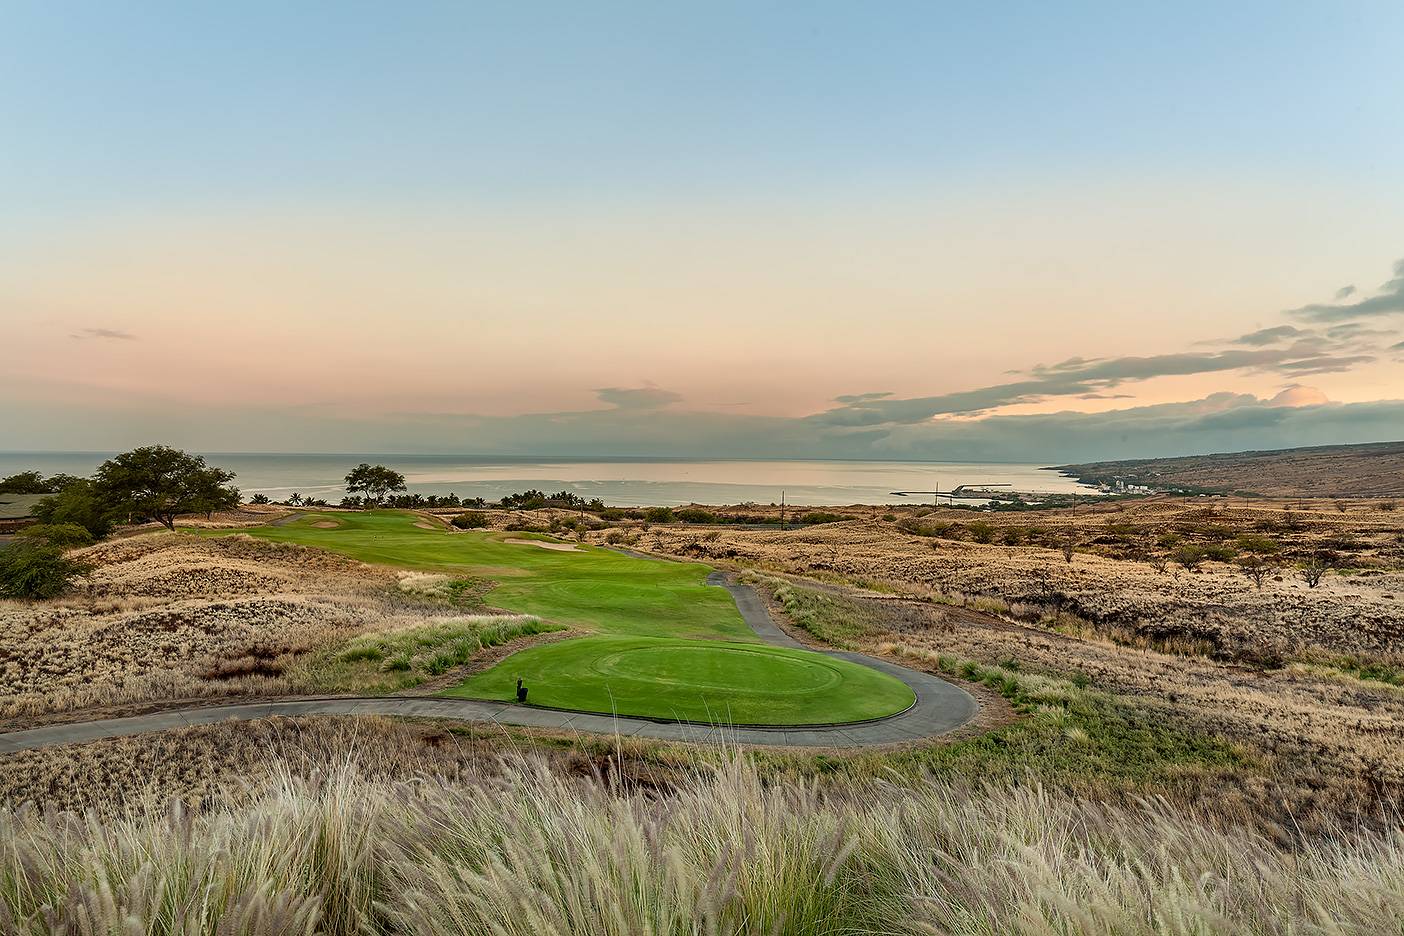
(1027, 232)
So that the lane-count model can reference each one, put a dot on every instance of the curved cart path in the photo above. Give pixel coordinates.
(940, 707)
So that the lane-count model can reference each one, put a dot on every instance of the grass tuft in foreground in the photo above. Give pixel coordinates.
(527, 851)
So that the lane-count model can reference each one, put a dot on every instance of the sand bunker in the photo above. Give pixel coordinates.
(558, 547)
(426, 525)
(327, 524)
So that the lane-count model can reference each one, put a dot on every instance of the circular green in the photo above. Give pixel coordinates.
(719, 668)
(716, 682)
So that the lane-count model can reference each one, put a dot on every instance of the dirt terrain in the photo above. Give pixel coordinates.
(1118, 576)
(1374, 470)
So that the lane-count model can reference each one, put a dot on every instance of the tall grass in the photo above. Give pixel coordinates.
(525, 850)
(428, 649)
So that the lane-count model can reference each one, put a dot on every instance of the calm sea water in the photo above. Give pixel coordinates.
(625, 482)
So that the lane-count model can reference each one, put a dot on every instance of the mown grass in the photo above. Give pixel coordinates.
(708, 681)
(391, 661)
(592, 588)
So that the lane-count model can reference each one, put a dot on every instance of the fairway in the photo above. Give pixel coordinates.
(593, 588)
(704, 681)
(663, 643)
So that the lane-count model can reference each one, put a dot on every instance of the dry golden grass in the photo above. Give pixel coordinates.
(168, 616)
(1217, 606)
(211, 763)
(334, 842)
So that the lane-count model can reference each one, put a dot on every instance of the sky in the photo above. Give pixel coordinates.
(1013, 232)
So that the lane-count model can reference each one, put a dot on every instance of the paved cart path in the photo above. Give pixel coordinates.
(940, 707)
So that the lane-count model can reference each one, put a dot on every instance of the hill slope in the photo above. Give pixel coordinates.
(1372, 470)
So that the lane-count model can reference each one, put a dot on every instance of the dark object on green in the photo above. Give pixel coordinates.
(521, 691)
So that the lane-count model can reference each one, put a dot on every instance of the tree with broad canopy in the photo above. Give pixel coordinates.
(160, 483)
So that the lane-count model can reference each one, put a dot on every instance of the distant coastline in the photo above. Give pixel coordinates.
(619, 480)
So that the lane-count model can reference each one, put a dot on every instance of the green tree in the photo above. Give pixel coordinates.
(161, 483)
(214, 493)
(32, 482)
(34, 569)
(80, 503)
(26, 482)
(374, 482)
(59, 535)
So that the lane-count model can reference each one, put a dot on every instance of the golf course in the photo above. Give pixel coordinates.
(659, 642)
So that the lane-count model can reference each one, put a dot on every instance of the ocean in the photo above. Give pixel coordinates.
(623, 482)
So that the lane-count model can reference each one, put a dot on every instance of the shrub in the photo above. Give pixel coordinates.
(941, 528)
(1257, 568)
(981, 532)
(658, 514)
(470, 520)
(1219, 552)
(1188, 555)
(695, 515)
(1314, 569)
(58, 535)
(36, 570)
(1258, 545)
(822, 516)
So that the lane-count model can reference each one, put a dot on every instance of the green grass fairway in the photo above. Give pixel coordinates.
(706, 681)
(595, 589)
(667, 645)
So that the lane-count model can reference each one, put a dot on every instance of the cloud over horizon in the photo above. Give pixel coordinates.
(970, 424)
(109, 333)
(1388, 300)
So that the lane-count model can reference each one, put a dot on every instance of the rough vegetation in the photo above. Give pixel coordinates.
(1109, 581)
(519, 848)
(173, 616)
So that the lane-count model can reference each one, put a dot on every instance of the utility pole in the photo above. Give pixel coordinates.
(782, 510)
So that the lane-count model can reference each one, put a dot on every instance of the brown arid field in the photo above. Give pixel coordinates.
(1122, 578)
(164, 617)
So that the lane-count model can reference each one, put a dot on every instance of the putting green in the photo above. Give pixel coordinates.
(694, 680)
(666, 644)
